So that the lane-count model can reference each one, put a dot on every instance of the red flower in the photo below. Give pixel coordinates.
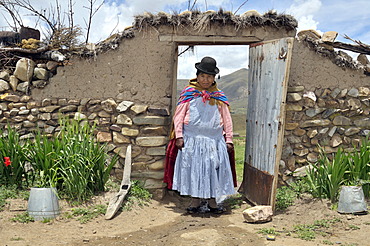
(7, 161)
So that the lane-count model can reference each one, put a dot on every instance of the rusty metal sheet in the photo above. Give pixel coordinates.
(257, 185)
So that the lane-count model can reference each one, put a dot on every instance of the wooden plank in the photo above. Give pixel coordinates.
(205, 40)
(116, 201)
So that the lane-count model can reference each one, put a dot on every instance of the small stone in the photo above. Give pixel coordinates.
(299, 132)
(109, 105)
(24, 69)
(354, 103)
(312, 133)
(5, 75)
(335, 141)
(335, 93)
(297, 88)
(293, 97)
(41, 73)
(129, 132)
(311, 95)
(120, 139)
(4, 86)
(363, 91)
(343, 93)
(156, 151)
(151, 141)
(329, 36)
(302, 171)
(124, 105)
(312, 123)
(258, 214)
(329, 112)
(332, 131)
(291, 125)
(353, 92)
(352, 131)
(79, 116)
(301, 152)
(157, 166)
(159, 111)
(104, 137)
(314, 111)
(150, 120)
(342, 121)
(123, 119)
(312, 157)
(363, 123)
(138, 109)
(293, 107)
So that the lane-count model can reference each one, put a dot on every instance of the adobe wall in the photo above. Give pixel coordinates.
(140, 70)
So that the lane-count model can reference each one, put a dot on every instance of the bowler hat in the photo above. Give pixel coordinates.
(207, 65)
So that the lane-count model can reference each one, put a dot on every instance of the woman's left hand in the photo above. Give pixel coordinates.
(230, 147)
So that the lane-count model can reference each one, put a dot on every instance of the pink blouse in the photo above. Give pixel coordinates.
(182, 115)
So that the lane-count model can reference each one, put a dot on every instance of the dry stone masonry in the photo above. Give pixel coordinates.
(329, 117)
(119, 123)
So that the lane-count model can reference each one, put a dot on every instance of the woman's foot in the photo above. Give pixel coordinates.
(216, 210)
(192, 210)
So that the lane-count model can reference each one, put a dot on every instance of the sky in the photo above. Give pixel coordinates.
(350, 17)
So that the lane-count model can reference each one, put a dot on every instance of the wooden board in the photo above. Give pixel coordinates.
(116, 201)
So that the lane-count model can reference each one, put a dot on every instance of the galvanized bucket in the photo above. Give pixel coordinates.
(352, 200)
(43, 203)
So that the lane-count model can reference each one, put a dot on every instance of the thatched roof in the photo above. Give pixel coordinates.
(201, 20)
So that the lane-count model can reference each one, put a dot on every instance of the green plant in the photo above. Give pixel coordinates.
(16, 239)
(11, 146)
(267, 231)
(285, 197)
(239, 147)
(137, 195)
(87, 214)
(23, 218)
(353, 227)
(46, 220)
(72, 161)
(327, 242)
(326, 176)
(308, 231)
(11, 191)
(234, 201)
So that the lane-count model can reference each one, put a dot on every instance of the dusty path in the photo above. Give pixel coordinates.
(163, 222)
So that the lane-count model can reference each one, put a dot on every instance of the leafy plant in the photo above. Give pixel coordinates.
(285, 197)
(137, 195)
(13, 171)
(23, 218)
(268, 231)
(72, 161)
(308, 231)
(326, 176)
(87, 214)
(11, 191)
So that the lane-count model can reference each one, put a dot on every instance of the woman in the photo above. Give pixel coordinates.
(203, 135)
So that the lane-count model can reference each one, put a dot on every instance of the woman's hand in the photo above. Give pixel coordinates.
(230, 147)
(179, 143)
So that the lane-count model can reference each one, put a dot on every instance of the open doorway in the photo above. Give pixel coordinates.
(232, 60)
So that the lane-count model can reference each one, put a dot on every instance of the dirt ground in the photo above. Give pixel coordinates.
(164, 222)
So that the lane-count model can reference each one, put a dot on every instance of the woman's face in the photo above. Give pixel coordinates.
(205, 80)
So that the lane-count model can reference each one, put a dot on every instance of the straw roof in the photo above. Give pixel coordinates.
(200, 20)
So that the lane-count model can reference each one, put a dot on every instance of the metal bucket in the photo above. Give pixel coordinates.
(43, 203)
(352, 200)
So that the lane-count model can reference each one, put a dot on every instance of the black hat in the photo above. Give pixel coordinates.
(207, 65)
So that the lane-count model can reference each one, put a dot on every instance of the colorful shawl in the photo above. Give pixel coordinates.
(194, 90)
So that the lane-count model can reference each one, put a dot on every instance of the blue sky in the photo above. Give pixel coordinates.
(351, 17)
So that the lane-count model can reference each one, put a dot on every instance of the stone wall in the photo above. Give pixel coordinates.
(119, 123)
(330, 117)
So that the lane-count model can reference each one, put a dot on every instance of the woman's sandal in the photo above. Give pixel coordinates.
(218, 210)
(192, 210)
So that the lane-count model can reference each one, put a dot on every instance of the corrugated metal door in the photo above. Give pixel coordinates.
(269, 64)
